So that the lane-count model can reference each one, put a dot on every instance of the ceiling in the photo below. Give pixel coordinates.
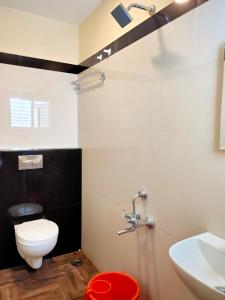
(70, 11)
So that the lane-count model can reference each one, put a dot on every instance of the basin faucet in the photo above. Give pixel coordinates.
(134, 217)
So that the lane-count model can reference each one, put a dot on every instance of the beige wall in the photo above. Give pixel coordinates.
(30, 35)
(100, 29)
(154, 124)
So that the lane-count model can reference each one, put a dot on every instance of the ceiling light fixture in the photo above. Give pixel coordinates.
(181, 1)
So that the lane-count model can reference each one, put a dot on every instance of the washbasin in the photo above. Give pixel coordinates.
(200, 262)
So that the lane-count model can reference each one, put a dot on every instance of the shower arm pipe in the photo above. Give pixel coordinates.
(150, 9)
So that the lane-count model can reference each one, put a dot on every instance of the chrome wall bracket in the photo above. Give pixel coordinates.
(98, 75)
(150, 222)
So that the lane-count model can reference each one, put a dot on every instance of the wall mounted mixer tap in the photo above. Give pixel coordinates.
(134, 218)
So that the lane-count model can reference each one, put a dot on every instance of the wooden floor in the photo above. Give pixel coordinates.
(57, 279)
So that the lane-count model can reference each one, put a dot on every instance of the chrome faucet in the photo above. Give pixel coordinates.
(134, 218)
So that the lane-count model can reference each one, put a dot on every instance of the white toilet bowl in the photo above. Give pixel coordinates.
(35, 239)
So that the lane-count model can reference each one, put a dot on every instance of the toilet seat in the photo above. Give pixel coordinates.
(36, 232)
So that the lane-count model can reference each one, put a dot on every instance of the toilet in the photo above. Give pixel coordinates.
(35, 235)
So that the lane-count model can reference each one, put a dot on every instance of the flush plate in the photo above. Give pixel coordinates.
(30, 162)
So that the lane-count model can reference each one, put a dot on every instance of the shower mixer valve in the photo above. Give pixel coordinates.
(134, 218)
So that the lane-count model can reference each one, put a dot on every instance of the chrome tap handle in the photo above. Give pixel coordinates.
(131, 218)
(125, 215)
(142, 194)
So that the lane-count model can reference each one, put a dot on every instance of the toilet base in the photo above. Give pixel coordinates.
(34, 262)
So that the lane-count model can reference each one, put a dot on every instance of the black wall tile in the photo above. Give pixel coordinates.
(9, 255)
(24, 61)
(69, 221)
(57, 187)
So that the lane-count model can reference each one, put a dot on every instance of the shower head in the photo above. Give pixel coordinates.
(122, 15)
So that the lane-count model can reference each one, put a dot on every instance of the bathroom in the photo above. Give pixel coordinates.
(101, 117)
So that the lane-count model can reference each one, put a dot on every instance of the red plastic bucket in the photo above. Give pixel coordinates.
(112, 286)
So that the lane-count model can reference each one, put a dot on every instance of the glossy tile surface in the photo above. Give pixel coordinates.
(154, 125)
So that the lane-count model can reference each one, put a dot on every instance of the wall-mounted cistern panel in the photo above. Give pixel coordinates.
(29, 162)
(200, 261)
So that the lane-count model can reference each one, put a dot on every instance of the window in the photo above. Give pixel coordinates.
(28, 113)
(40, 114)
(20, 111)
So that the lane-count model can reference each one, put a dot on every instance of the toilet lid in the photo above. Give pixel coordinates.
(36, 231)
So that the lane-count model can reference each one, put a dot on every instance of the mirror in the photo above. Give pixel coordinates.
(222, 121)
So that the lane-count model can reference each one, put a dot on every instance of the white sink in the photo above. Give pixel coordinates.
(200, 261)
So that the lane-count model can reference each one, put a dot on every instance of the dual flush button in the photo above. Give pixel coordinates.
(29, 162)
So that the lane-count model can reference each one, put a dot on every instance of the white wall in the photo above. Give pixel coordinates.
(38, 85)
(31, 35)
(154, 124)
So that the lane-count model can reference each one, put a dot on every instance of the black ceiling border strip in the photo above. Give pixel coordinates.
(37, 63)
(163, 17)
